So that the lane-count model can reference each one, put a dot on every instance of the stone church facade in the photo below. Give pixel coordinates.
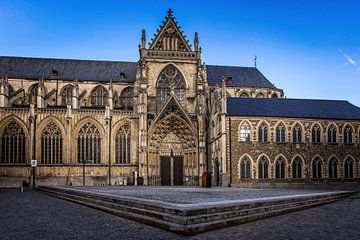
(168, 119)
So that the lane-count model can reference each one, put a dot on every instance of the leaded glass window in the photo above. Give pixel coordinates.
(348, 136)
(280, 133)
(280, 167)
(13, 144)
(170, 79)
(297, 168)
(297, 133)
(263, 167)
(89, 144)
(317, 168)
(333, 168)
(122, 144)
(126, 98)
(332, 134)
(316, 134)
(245, 169)
(67, 94)
(51, 144)
(245, 132)
(349, 168)
(99, 96)
(263, 133)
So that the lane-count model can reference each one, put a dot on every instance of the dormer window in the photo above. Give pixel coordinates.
(122, 75)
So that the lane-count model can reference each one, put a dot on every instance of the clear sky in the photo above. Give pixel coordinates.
(311, 49)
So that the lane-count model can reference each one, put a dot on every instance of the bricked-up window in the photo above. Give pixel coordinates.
(67, 94)
(245, 169)
(316, 134)
(126, 98)
(280, 133)
(99, 96)
(51, 144)
(349, 168)
(280, 167)
(89, 144)
(170, 80)
(333, 168)
(263, 133)
(12, 144)
(297, 133)
(245, 132)
(317, 168)
(297, 168)
(122, 144)
(263, 168)
(332, 134)
(348, 136)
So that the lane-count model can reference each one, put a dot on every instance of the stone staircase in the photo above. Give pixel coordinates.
(189, 219)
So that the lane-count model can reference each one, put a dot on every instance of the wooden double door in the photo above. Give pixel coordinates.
(171, 170)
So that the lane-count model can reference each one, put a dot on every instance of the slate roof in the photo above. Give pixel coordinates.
(68, 69)
(241, 76)
(293, 108)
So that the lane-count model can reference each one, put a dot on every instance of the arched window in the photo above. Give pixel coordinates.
(245, 132)
(333, 168)
(280, 133)
(332, 134)
(317, 168)
(297, 133)
(122, 144)
(263, 167)
(13, 144)
(274, 95)
(245, 169)
(260, 95)
(280, 167)
(244, 95)
(89, 144)
(99, 96)
(33, 90)
(349, 168)
(51, 144)
(297, 168)
(170, 79)
(126, 98)
(316, 134)
(348, 136)
(67, 94)
(263, 133)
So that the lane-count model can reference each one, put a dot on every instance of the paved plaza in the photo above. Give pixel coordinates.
(32, 215)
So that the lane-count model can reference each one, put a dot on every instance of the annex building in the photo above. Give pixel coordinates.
(166, 120)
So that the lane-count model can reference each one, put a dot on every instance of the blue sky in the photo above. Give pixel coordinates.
(311, 49)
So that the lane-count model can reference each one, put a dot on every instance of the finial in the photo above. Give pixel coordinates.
(170, 12)
(255, 59)
(196, 41)
(143, 39)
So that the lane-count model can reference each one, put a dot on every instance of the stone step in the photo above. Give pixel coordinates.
(188, 219)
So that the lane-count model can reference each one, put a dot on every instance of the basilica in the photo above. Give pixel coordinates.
(167, 119)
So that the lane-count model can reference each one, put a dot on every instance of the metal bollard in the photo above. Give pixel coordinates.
(21, 189)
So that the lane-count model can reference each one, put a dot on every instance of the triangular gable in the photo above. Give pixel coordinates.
(170, 37)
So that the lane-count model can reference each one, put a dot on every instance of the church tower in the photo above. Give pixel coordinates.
(170, 89)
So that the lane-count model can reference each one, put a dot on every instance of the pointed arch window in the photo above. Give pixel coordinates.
(126, 98)
(263, 133)
(244, 95)
(12, 144)
(280, 133)
(280, 167)
(89, 144)
(67, 94)
(333, 168)
(348, 135)
(274, 95)
(170, 80)
(297, 133)
(349, 168)
(51, 144)
(332, 134)
(245, 132)
(263, 168)
(33, 90)
(316, 134)
(245, 169)
(122, 144)
(99, 96)
(317, 168)
(297, 168)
